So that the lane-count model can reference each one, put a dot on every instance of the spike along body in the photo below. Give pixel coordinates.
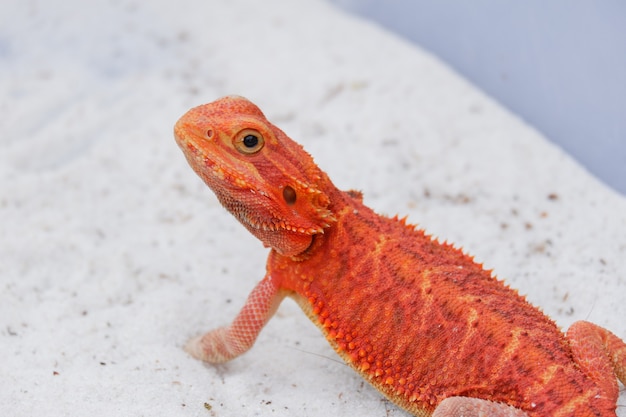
(420, 320)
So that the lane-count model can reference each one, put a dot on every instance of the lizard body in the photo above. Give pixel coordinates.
(420, 320)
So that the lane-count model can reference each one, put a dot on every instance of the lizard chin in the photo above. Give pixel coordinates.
(284, 239)
(284, 242)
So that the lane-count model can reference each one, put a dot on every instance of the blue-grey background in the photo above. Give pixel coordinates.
(559, 64)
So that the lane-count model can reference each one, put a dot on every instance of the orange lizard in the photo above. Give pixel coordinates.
(418, 319)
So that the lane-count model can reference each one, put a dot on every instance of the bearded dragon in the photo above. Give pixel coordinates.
(420, 320)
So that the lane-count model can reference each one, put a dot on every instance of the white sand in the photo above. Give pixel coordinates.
(113, 253)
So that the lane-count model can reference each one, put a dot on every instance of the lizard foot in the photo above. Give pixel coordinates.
(474, 407)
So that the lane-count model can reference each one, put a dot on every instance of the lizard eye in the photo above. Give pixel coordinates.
(248, 141)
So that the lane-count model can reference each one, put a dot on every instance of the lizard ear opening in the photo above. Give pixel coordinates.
(289, 194)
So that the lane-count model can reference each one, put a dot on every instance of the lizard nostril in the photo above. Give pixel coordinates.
(209, 133)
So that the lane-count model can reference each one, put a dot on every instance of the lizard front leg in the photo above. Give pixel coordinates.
(226, 343)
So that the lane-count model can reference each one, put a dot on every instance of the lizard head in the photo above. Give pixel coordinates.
(265, 179)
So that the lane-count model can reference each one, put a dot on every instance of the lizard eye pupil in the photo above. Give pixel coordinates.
(250, 141)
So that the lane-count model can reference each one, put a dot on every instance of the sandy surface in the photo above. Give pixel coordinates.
(113, 253)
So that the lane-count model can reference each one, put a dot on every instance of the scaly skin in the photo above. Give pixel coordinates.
(420, 320)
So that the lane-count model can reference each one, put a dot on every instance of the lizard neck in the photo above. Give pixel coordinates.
(342, 204)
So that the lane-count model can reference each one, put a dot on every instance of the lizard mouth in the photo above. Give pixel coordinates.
(208, 165)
